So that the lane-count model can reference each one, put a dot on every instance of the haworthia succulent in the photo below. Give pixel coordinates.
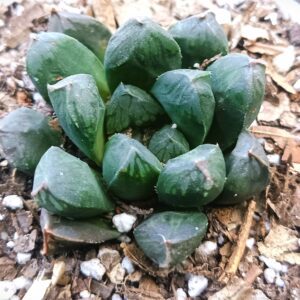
(61, 233)
(168, 143)
(247, 171)
(138, 52)
(53, 56)
(199, 38)
(67, 186)
(167, 238)
(80, 110)
(187, 98)
(129, 168)
(192, 179)
(85, 29)
(238, 84)
(130, 106)
(25, 135)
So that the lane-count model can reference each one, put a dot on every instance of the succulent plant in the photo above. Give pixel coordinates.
(68, 187)
(192, 179)
(130, 170)
(80, 110)
(168, 143)
(130, 106)
(25, 135)
(169, 237)
(199, 38)
(187, 98)
(247, 169)
(238, 84)
(85, 29)
(53, 56)
(139, 60)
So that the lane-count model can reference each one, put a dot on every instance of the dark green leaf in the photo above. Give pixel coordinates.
(80, 110)
(192, 179)
(168, 238)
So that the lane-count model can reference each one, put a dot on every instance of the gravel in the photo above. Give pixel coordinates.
(197, 285)
(23, 258)
(13, 202)
(127, 265)
(123, 222)
(269, 275)
(93, 268)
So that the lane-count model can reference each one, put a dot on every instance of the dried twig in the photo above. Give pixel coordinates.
(238, 252)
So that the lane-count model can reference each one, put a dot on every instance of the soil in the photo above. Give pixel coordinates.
(262, 29)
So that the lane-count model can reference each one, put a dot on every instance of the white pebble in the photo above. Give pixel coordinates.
(181, 294)
(92, 268)
(284, 268)
(116, 297)
(174, 126)
(208, 248)
(22, 283)
(271, 263)
(127, 265)
(274, 159)
(221, 239)
(250, 243)
(23, 258)
(269, 275)
(285, 60)
(197, 285)
(4, 163)
(10, 244)
(297, 85)
(279, 282)
(2, 217)
(123, 222)
(4, 235)
(14, 297)
(13, 202)
(16, 236)
(7, 290)
(124, 238)
(85, 294)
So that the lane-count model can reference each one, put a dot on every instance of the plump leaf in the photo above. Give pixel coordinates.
(80, 110)
(68, 187)
(187, 98)
(25, 135)
(130, 106)
(247, 171)
(129, 168)
(192, 179)
(53, 56)
(168, 143)
(238, 84)
(60, 233)
(199, 38)
(167, 238)
(85, 29)
(138, 52)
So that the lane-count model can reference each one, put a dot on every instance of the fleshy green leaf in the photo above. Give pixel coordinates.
(60, 233)
(168, 143)
(80, 110)
(187, 98)
(131, 107)
(192, 179)
(199, 38)
(247, 171)
(85, 29)
(67, 186)
(25, 135)
(129, 168)
(138, 52)
(53, 56)
(167, 238)
(238, 84)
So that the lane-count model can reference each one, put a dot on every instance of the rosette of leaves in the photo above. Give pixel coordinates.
(199, 38)
(247, 169)
(80, 110)
(68, 187)
(130, 170)
(138, 52)
(192, 179)
(25, 135)
(60, 233)
(85, 29)
(53, 56)
(238, 84)
(167, 238)
(130, 106)
(168, 143)
(187, 98)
